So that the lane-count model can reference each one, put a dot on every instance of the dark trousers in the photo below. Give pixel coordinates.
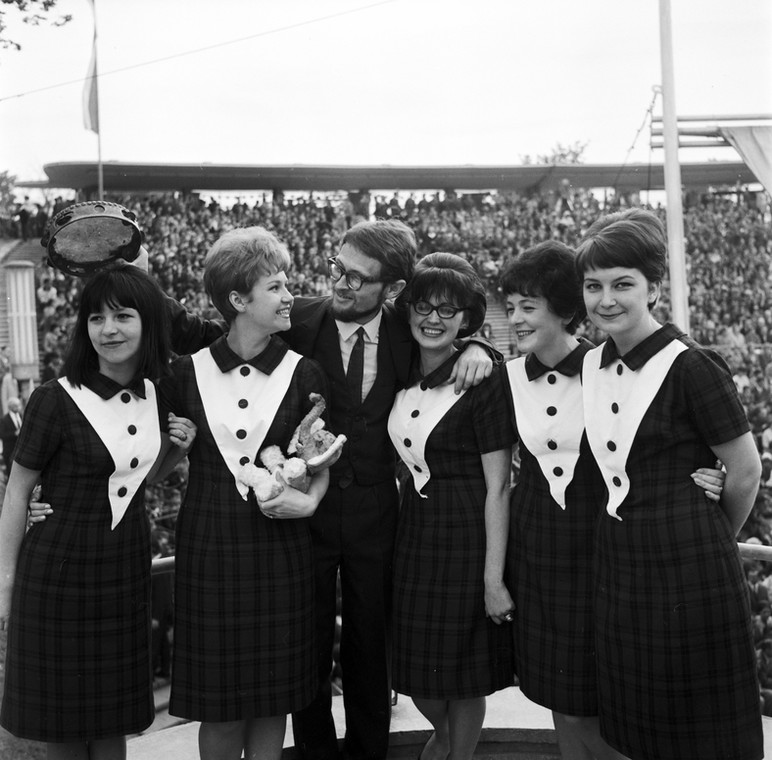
(353, 531)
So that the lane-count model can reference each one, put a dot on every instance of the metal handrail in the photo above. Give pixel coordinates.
(747, 551)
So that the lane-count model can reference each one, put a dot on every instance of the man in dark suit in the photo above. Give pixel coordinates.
(10, 424)
(354, 526)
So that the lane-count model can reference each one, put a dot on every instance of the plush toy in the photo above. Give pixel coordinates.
(314, 449)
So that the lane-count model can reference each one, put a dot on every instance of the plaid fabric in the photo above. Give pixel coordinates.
(549, 573)
(676, 666)
(244, 622)
(78, 661)
(444, 646)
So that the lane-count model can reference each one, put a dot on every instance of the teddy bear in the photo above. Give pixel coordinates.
(312, 448)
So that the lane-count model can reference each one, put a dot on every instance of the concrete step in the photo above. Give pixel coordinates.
(514, 727)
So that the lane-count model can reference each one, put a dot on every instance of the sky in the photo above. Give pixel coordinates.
(373, 81)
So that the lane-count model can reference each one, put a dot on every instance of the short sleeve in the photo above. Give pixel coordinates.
(40, 434)
(711, 398)
(491, 417)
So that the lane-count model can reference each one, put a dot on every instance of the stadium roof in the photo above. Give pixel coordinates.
(129, 177)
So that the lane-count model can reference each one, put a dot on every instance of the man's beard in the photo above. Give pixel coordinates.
(350, 311)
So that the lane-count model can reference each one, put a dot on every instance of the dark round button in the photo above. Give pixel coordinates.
(557, 471)
(417, 468)
(122, 491)
(616, 481)
(132, 429)
(243, 403)
(615, 408)
(552, 411)
(134, 463)
(551, 379)
(244, 460)
(611, 446)
(241, 434)
(125, 397)
(552, 445)
(408, 442)
(414, 413)
(619, 369)
(244, 371)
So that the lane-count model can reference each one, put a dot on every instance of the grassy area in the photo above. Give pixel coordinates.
(11, 747)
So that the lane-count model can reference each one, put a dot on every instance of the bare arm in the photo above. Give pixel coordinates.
(13, 523)
(743, 472)
(496, 465)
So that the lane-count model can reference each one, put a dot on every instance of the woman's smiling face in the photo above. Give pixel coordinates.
(617, 301)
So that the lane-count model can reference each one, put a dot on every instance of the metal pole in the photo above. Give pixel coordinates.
(675, 224)
(100, 171)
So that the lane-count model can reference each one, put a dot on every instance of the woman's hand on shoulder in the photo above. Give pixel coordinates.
(182, 432)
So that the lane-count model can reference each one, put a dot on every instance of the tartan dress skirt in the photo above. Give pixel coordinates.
(244, 624)
(78, 661)
(549, 574)
(444, 647)
(676, 663)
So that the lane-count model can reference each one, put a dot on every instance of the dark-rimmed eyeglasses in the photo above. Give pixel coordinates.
(444, 310)
(354, 280)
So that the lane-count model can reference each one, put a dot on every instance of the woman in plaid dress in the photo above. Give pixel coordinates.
(556, 500)
(449, 647)
(75, 589)
(676, 665)
(244, 625)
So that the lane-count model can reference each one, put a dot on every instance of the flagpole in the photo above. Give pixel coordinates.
(100, 170)
(679, 304)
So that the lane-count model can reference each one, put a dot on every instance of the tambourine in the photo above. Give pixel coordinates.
(87, 237)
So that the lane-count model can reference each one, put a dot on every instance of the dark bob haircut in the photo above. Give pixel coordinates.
(548, 270)
(390, 242)
(634, 239)
(447, 277)
(128, 287)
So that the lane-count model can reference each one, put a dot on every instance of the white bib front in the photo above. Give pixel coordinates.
(615, 401)
(550, 422)
(128, 427)
(416, 412)
(240, 405)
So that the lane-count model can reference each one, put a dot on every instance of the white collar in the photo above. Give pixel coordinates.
(347, 329)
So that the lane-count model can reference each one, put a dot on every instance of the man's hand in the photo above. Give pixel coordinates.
(472, 367)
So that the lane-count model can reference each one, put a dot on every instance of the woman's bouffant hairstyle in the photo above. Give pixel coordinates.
(548, 270)
(634, 239)
(449, 278)
(390, 242)
(123, 286)
(236, 262)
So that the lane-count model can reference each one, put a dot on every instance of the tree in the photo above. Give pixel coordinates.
(560, 154)
(37, 12)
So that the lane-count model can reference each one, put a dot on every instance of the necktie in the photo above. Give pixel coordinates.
(356, 366)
